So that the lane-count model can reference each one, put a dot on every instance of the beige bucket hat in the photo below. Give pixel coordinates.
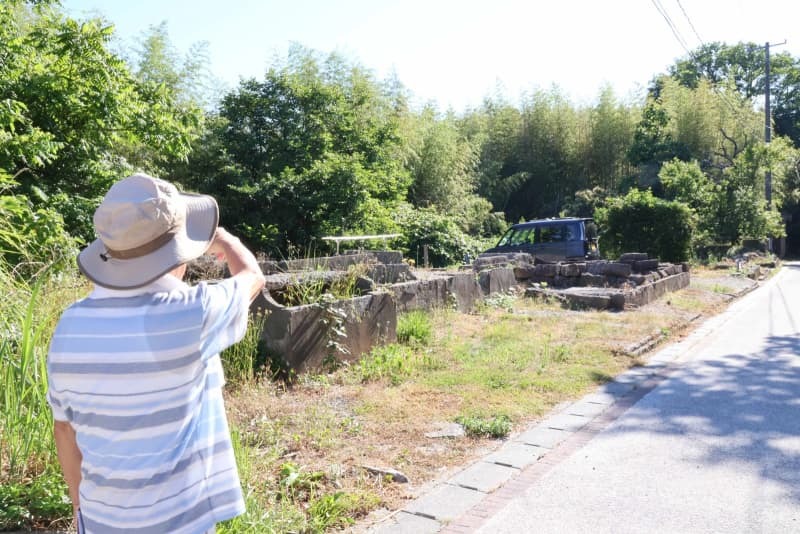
(146, 228)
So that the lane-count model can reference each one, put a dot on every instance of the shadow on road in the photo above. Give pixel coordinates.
(743, 409)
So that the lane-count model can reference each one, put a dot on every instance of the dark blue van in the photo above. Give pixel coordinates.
(550, 240)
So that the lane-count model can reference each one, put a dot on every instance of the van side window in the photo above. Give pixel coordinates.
(573, 232)
(550, 234)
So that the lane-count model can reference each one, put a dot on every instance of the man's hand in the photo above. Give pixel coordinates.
(241, 262)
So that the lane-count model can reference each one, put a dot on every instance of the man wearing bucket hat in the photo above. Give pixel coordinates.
(135, 379)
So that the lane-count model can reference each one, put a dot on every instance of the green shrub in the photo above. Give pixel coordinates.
(640, 222)
(447, 243)
(32, 239)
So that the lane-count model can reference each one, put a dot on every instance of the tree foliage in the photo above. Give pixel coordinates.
(72, 110)
(743, 66)
(312, 149)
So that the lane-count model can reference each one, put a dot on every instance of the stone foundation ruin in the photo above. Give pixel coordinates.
(633, 280)
(305, 335)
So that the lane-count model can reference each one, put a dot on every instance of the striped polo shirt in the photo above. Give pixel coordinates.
(137, 374)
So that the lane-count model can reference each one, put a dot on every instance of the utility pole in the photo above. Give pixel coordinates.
(768, 122)
(768, 133)
(767, 127)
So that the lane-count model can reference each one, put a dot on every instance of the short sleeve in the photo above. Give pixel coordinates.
(225, 313)
(56, 406)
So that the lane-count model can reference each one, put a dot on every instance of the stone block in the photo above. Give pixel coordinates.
(648, 293)
(637, 279)
(617, 269)
(596, 267)
(572, 269)
(299, 335)
(565, 421)
(542, 436)
(388, 257)
(518, 455)
(333, 263)
(588, 299)
(592, 280)
(465, 290)
(616, 301)
(499, 280)
(587, 408)
(630, 257)
(269, 267)
(524, 272)
(406, 523)
(644, 266)
(546, 270)
(675, 269)
(490, 260)
(390, 273)
(420, 294)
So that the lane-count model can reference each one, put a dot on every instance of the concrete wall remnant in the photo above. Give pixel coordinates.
(498, 280)
(304, 336)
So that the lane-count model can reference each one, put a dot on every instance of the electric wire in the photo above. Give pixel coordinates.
(672, 27)
(689, 20)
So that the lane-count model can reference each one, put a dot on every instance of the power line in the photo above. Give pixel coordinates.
(675, 32)
(725, 98)
(690, 22)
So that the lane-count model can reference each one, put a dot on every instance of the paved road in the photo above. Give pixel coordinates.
(714, 448)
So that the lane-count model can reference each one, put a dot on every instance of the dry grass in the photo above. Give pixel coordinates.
(518, 359)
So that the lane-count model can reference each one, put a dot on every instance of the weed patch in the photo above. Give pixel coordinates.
(244, 360)
(494, 427)
(414, 327)
(39, 502)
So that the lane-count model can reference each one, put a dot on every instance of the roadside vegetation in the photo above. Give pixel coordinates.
(317, 147)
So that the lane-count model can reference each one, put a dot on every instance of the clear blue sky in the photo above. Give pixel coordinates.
(455, 52)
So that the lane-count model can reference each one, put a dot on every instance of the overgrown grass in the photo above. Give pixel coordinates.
(38, 502)
(314, 287)
(414, 327)
(244, 361)
(31, 488)
(28, 313)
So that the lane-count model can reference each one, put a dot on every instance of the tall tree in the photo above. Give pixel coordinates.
(610, 133)
(313, 149)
